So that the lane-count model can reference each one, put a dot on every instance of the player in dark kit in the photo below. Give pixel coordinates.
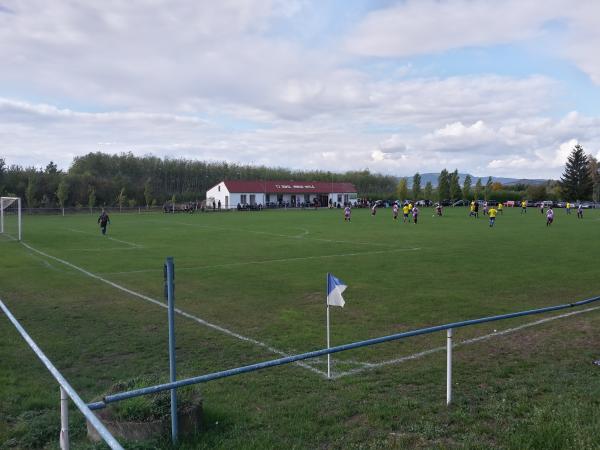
(103, 220)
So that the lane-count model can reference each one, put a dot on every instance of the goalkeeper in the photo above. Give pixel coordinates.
(103, 220)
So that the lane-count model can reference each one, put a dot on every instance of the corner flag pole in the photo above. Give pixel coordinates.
(328, 341)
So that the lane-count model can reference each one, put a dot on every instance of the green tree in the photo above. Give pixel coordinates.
(2, 175)
(428, 192)
(51, 168)
(148, 192)
(402, 189)
(478, 189)
(594, 174)
(488, 188)
(444, 185)
(91, 197)
(536, 192)
(416, 187)
(466, 190)
(121, 199)
(30, 191)
(576, 181)
(455, 191)
(62, 193)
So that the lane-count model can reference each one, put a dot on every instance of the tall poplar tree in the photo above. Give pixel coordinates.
(444, 185)
(402, 189)
(478, 189)
(466, 190)
(428, 191)
(416, 187)
(455, 192)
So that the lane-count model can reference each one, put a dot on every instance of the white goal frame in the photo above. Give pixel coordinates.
(12, 200)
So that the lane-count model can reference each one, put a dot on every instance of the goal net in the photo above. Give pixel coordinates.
(10, 217)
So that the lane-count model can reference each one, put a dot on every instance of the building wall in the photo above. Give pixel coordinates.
(216, 193)
(231, 200)
(259, 198)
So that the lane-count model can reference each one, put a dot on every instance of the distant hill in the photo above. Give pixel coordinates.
(433, 177)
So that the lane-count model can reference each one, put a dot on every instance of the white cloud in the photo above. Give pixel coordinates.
(427, 26)
(223, 80)
(416, 27)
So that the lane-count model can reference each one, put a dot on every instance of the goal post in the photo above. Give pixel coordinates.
(10, 209)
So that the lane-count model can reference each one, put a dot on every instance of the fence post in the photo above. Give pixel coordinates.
(449, 367)
(64, 420)
(170, 288)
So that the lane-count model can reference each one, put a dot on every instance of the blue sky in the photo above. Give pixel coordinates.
(489, 87)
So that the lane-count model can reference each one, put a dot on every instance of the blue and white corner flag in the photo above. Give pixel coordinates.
(335, 287)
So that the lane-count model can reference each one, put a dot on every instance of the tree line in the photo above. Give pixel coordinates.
(580, 181)
(99, 179)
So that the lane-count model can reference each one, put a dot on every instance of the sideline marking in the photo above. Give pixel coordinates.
(131, 244)
(465, 342)
(177, 310)
(267, 261)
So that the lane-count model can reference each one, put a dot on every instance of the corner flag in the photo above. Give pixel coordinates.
(335, 287)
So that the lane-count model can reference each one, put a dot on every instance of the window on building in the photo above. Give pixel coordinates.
(339, 198)
(243, 199)
(345, 198)
(280, 198)
(268, 198)
(219, 188)
(252, 199)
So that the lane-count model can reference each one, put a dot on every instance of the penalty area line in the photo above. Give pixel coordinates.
(177, 310)
(268, 261)
(484, 337)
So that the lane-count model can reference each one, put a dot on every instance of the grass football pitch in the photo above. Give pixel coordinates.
(255, 285)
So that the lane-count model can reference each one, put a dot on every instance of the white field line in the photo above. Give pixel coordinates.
(177, 310)
(299, 236)
(131, 244)
(122, 249)
(371, 366)
(268, 261)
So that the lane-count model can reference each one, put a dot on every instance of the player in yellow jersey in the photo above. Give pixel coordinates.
(405, 211)
(524, 207)
(500, 208)
(492, 213)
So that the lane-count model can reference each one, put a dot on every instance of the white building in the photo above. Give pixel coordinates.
(290, 193)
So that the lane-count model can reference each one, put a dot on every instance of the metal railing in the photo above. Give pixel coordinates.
(340, 348)
(66, 391)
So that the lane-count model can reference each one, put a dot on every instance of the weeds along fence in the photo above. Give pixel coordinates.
(174, 385)
(66, 392)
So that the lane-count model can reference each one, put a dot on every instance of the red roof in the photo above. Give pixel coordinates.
(289, 187)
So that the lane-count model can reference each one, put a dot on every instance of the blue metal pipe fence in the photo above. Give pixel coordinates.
(65, 388)
(314, 354)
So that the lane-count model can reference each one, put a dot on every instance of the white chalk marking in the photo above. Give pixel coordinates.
(131, 244)
(177, 310)
(465, 342)
(268, 261)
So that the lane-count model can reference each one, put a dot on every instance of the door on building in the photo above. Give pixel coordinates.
(323, 199)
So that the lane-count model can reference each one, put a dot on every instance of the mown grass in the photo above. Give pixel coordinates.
(263, 275)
